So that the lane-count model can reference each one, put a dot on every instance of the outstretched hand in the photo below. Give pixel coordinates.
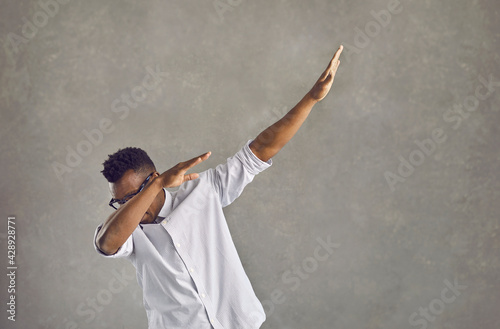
(176, 175)
(325, 81)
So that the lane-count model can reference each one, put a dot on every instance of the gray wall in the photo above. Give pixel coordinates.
(406, 221)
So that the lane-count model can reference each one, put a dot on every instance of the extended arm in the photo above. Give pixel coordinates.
(270, 141)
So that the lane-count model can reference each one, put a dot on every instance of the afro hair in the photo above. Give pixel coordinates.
(124, 159)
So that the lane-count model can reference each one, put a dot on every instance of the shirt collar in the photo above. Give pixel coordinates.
(167, 207)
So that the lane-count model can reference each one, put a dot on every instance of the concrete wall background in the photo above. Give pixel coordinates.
(228, 77)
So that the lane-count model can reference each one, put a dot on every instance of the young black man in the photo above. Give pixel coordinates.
(179, 242)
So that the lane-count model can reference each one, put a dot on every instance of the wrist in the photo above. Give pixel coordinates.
(310, 99)
(157, 183)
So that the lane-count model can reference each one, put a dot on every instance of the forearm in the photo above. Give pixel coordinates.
(270, 141)
(120, 225)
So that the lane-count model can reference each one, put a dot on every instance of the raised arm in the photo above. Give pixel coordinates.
(270, 141)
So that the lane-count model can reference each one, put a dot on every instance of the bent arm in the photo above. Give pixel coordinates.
(120, 225)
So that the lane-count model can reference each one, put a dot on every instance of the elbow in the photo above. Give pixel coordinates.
(262, 152)
(104, 246)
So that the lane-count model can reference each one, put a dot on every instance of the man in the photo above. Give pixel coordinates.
(179, 242)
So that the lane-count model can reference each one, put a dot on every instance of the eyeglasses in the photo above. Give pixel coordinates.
(115, 203)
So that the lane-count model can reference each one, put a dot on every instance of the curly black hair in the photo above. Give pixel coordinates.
(124, 159)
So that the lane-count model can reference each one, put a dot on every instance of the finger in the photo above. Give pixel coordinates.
(332, 63)
(330, 73)
(335, 57)
(325, 73)
(335, 67)
(189, 177)
(329, 79)
(337, 53)
(194, 161)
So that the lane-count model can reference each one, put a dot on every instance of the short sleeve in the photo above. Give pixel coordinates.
(230, 178)
(124, 251)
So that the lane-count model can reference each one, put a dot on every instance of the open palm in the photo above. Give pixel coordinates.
(325, 81)
(176, 175)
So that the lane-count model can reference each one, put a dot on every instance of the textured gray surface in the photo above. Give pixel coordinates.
(226, 78)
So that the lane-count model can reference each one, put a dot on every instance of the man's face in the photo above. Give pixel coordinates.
(129, 184)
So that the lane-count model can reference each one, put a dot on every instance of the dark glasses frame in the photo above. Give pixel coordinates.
(115, 203)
